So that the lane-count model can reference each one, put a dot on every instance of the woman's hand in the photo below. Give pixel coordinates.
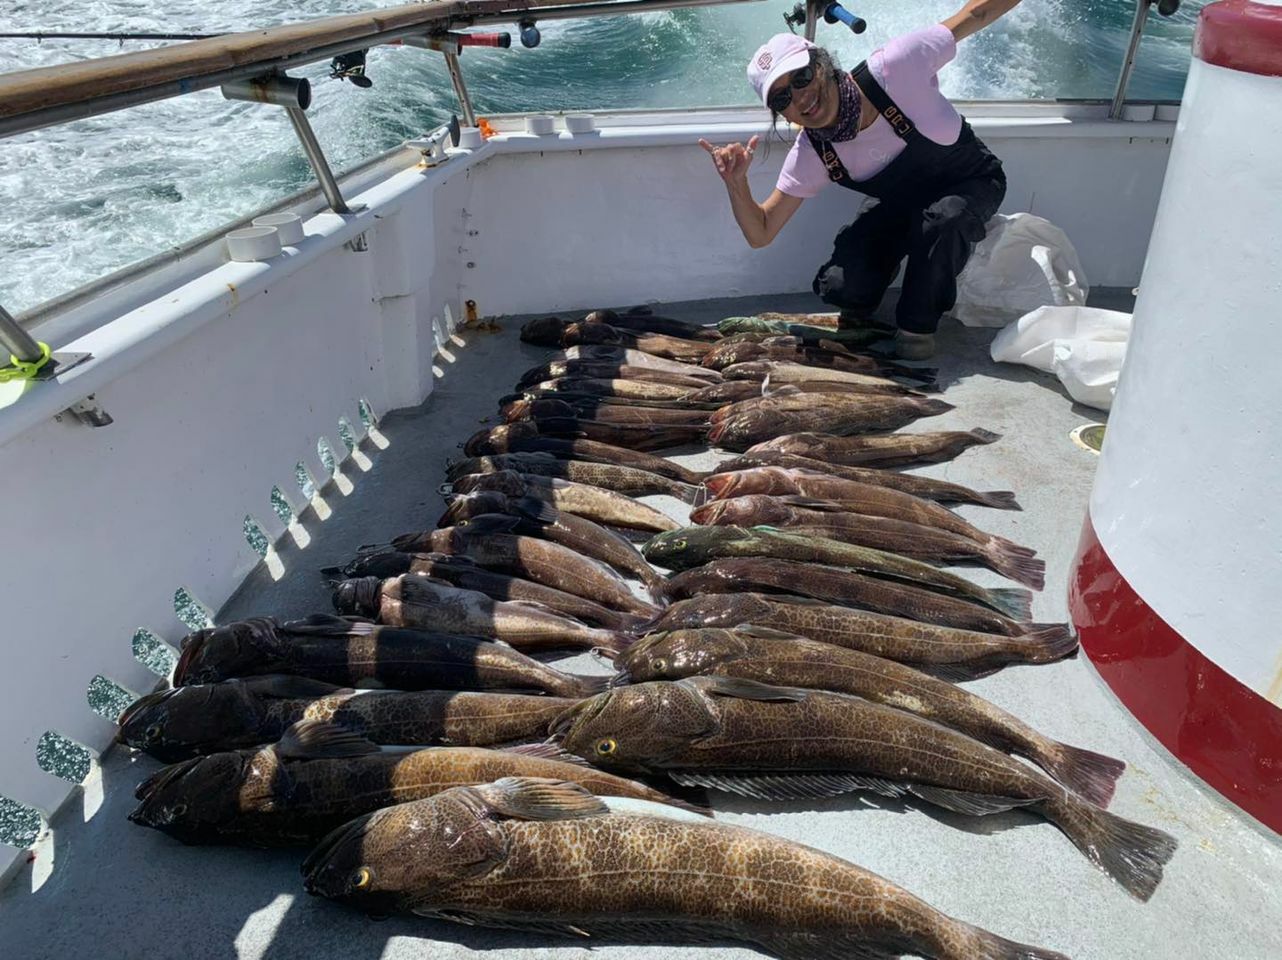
(733, 159)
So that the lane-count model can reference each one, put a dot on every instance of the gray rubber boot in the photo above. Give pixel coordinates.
(914, 346)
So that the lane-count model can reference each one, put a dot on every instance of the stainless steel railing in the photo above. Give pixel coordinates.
(1166, 8)
(55, 95)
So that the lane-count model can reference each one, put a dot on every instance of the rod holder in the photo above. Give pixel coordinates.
(276, 89)
(295, 95)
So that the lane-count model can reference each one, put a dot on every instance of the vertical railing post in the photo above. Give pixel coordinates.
(1166, 8)
(460, 89)
(15, 341)
(316, 157)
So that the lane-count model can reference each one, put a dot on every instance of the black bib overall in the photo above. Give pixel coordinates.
(934, 202)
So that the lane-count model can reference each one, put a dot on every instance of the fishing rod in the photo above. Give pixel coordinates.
(39, 35)
(345, 66)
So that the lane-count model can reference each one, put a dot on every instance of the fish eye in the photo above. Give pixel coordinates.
(678, 544)
(658, 665)
(606, 747)
(361, 878)
(180, 809)
(463, 523)
(153, 732)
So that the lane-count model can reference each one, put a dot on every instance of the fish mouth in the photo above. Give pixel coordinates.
(719, 484)
(567, 724)
(358, 596)
(142, 704)
(161, 779)
(708, 513)
(193, 647)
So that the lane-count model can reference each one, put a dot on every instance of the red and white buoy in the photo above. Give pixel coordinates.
(1177, 586)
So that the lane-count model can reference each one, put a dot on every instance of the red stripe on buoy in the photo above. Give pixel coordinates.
(1240, 35)
(1224, 732)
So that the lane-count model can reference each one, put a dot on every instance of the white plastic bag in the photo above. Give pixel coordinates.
(1083, 346)
(1023, 262)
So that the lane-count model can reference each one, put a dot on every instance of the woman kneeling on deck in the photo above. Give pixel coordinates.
(886, 131)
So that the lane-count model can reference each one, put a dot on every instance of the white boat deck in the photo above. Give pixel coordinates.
(116, 890)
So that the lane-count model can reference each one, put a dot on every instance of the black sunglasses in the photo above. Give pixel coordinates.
(800, 79)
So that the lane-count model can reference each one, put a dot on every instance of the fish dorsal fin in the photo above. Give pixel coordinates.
(814, 503)
(536, 509)
(547, 751)
(765, 633)
(286, 687)
(737, 689)
(316, 739)
(538, 798)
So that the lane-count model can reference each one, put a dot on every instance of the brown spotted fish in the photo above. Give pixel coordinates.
(550, 858)
(319, 776)
(346, 653)
(780, 743)
(942, 651)
(882, 450)
(172, 725)
(771, 656)
(412, 600)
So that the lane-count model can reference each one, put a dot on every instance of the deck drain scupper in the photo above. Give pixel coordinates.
(1089, 436)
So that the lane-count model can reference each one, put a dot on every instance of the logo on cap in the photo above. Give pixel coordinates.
(764, 61)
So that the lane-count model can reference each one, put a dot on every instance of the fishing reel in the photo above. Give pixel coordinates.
(832, 12)
(350, 66)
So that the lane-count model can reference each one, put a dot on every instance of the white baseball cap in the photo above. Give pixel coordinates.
(782, 53)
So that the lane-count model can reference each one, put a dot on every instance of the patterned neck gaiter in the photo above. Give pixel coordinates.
(847, 124)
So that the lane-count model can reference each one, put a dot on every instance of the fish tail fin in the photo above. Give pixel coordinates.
(1048, 642)
(999, 499)
(692, 477)
(1011, 547)
(979, 944)
(656, 584)
(980, 435)
(1015, 602)
(1021, 568)
(685, 492)
(1085, 772)
(1131, 853)
(583, 687)
(611, 642)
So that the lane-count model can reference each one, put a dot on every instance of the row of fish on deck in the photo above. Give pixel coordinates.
(804, 642)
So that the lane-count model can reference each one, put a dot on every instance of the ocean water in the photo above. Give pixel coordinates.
(89, 197)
